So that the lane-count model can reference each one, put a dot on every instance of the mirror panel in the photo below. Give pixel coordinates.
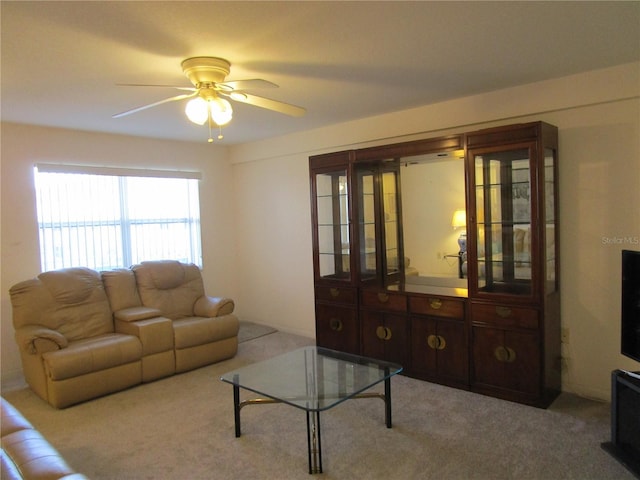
(433, 189)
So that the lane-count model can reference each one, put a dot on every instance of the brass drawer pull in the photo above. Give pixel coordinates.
(504, 354)
(436, 342)
(501, 354)
(383, 333)
(503, 312)
(335, 324)
(383, 297)
(334, 292)
(435, 303)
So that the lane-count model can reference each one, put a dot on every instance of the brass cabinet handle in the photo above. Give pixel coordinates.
(501, 354)
(504, 354)
(436, 342)
(383, 333)
(435, 303)
(503, 312)
(334, 292)
(383, 297)
(335, 324)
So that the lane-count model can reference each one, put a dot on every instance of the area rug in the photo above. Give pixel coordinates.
(250, 331)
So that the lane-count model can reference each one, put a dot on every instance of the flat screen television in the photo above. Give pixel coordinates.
(631, 304)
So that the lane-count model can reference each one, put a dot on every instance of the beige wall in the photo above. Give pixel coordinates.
(599, 129)
(256, 214)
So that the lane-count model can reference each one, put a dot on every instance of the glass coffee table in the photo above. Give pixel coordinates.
(312, 379)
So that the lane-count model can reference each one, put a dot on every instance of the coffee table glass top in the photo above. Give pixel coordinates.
(312, 378)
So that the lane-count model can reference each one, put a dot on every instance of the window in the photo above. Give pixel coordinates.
(112, 218)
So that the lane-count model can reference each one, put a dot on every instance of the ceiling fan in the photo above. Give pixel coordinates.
(210, 92)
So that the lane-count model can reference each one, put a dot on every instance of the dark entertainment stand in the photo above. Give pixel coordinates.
(625, 420)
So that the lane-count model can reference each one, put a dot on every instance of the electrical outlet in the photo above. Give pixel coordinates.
(564, 335)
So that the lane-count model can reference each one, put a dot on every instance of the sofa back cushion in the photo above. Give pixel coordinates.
(121, 288)
(71, 300)
(170, 286)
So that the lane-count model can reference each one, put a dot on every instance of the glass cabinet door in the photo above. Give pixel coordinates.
(503, 221)
(551, 244)
(392, 247)
(368, 235)
(378, 224)
(332, 210)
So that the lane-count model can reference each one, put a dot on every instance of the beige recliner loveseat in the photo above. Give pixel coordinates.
(83, 334)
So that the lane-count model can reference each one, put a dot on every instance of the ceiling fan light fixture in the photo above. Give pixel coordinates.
(208, 75)
(197, 110)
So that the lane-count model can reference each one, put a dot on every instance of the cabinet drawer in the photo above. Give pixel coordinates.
(337, 294)
(384, 300)
(436, 306)
(504, 315)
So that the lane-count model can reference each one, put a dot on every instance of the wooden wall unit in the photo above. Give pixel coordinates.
(500, 334)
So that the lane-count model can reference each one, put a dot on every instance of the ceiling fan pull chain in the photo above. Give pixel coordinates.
(210, 137)
(220, 137)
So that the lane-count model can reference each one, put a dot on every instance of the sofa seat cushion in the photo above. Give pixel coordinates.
(92, 355)
(193, 331)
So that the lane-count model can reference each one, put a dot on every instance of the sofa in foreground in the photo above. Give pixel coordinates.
(83, 333)
(26, 454)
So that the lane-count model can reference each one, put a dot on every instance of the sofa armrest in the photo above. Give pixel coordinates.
(207, 306)
(134, 314)
(38, 339)
(155, 334)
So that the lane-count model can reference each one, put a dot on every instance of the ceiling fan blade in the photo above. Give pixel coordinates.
(267, 103)
(166, 100)
(249, 84)
(177, 87)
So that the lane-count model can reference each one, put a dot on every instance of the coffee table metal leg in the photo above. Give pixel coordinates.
(387, 402)
(236, 408)
(314, 442)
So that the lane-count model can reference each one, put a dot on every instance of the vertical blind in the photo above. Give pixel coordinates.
(105, 218)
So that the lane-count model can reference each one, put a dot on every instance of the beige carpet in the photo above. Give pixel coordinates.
(250, 331)
(182, 428)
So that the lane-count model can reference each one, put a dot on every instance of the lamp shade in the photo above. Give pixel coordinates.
(197, 110)
(221, 111)
(459, 219)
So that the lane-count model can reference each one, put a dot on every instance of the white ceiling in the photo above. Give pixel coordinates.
(62, 61)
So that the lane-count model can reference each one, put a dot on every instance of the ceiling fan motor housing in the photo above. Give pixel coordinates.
(205, 71)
